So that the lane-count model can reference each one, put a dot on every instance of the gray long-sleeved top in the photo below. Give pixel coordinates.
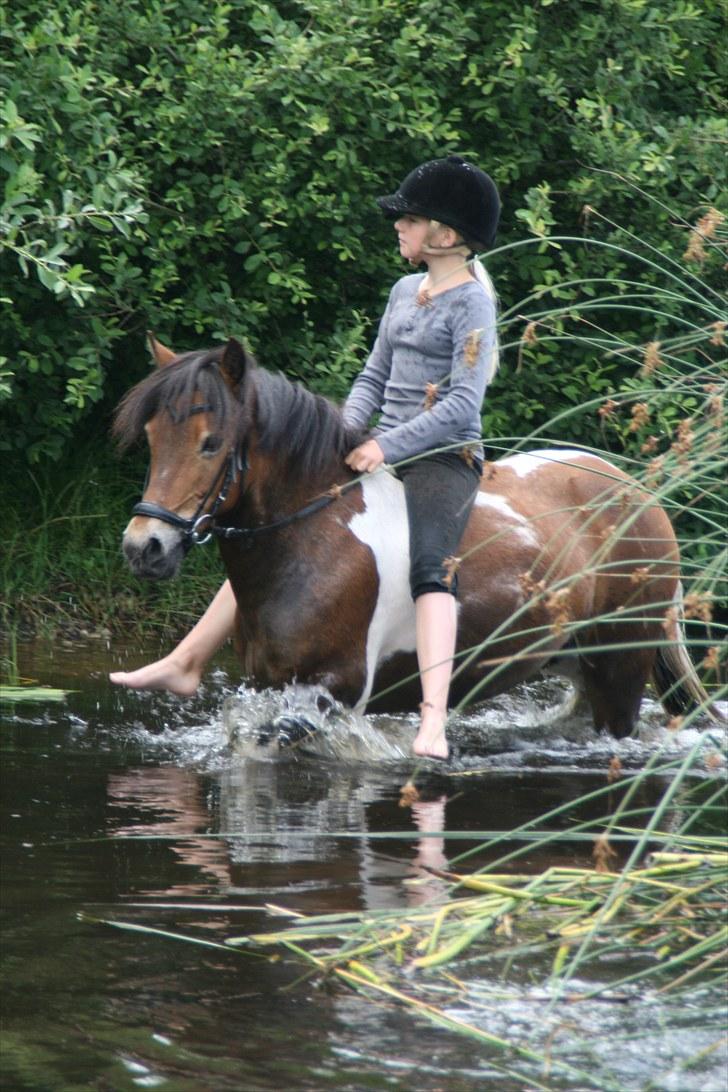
(447, 342)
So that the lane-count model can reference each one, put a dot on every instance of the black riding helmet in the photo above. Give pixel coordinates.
(452, 191)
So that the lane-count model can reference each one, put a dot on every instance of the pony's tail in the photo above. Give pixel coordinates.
(483, 278)
(674, 677)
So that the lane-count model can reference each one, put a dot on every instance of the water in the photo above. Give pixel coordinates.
(108, 804)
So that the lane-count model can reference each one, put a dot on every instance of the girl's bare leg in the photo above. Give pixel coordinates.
(181, 670)
(436, 617)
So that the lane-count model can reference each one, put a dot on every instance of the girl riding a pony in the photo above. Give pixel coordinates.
(426, 376)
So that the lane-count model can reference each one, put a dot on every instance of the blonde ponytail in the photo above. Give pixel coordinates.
(483, 278)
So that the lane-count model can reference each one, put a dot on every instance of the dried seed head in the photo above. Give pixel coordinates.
(451, 566)
(649, 445)
(615, 769)
(654, 472)
(467, 454)
(718, 337)
(489, 471)
(716, 412)
(472, 346)
(651, 359)
(641, 575)
(695, 251)
(674, 724)
(698, 605)
(711, 660)
(529, 335)
(705, 228)
(431, 392)
(607, 410)
(558, 607)
(640, 416)
(505, 928)
(530, 587)
(685, 438)
(603, 854)
(708, 225)
(408, 795)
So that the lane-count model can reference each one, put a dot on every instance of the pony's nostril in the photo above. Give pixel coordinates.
(146, 556)
(153, 549)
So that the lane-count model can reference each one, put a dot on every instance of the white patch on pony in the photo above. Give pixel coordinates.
(525, 463)
(383, 527)
(522, 526)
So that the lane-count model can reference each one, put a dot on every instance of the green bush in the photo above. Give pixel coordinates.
(207, 168)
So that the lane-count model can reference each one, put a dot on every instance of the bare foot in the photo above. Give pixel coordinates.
(169, 673)
(431, 741)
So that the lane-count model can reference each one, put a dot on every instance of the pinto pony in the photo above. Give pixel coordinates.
(565, 564)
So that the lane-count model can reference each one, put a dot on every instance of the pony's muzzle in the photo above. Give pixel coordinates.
(152, 550)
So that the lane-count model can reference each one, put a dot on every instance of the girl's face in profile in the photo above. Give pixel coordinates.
(412, 233)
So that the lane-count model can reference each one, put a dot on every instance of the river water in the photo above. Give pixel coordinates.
(154, 811)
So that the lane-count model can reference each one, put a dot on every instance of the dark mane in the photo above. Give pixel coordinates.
(305, 429)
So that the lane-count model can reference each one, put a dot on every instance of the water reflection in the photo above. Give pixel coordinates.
(165, 800)
(267, 831)
(318, 838)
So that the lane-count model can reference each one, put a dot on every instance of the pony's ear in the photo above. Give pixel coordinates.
(234, 363)
(162, 355)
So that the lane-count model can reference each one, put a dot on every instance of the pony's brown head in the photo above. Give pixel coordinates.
(194, 410)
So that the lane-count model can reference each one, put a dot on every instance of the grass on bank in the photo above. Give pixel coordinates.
(62, 566)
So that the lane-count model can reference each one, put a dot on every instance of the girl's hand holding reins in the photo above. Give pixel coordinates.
(366, 457)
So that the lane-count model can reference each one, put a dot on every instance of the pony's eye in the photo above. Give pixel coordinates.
(211, 444)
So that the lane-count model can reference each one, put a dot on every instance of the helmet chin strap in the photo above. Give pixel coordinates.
(458, 249)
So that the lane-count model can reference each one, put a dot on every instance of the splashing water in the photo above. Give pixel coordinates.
(334, 732)
(536, 726)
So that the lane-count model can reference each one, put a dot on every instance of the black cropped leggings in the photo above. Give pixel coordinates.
(440, 491)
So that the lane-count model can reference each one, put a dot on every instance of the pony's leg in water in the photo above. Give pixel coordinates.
(436, 631)
(181, 670)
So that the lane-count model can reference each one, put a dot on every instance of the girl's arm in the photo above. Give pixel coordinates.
(367, 392)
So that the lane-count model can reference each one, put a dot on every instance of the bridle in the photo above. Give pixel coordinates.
(201, 527)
